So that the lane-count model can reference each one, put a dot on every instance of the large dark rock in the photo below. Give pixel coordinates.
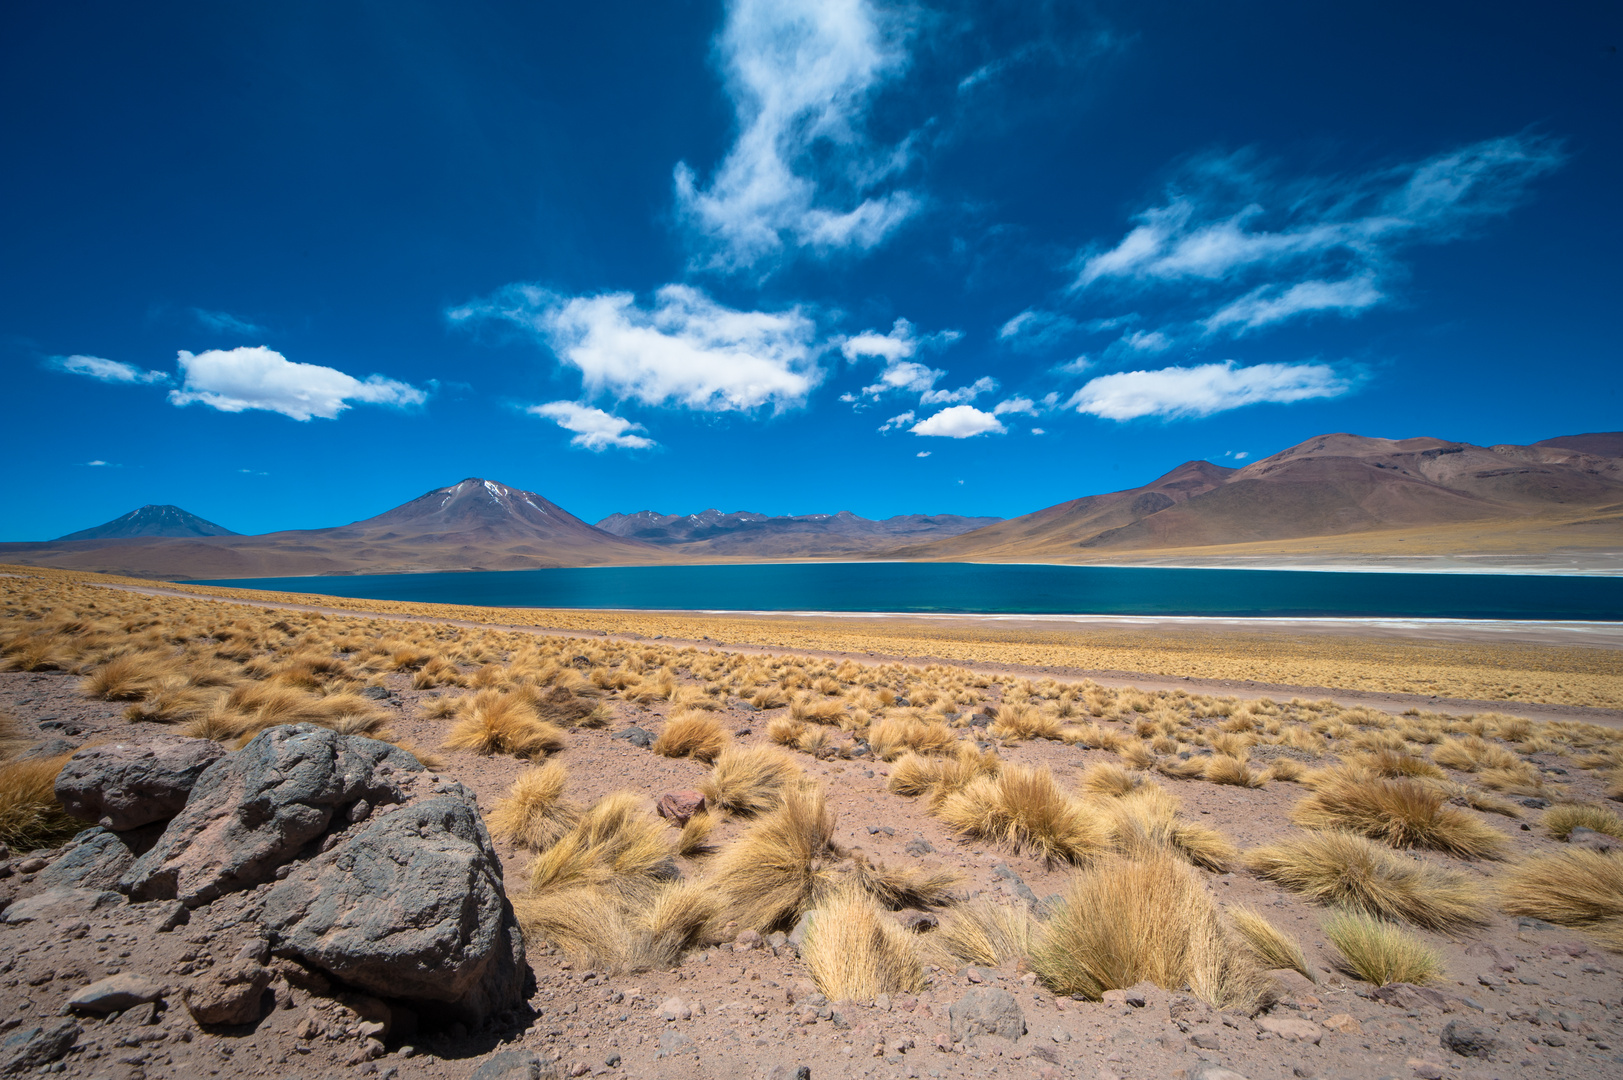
(97, 858)
(252, 811)
(133, 782)
(408, 905)
(1469, 1040)
(29, 1048)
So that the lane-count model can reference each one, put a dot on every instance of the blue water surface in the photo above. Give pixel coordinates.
(991, 589)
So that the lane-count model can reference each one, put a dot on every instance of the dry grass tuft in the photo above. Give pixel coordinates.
(1125, 921)
(496, 723)
(691, 733)
(1395, 763)
(891, 738)
(694, 839)
(748, 780)
(986, 932)
(534, 814)
(1108, 778)
(1401, 812)
(1562, 818)
(1274, 947)
(1016, 721)
(855, 952)
(897, 889)
(1146, 822)
(1024, 809)
(1346, 870)
(1223, 769)
(1378, 952)
(1575, 887)
(616, 846)
(30, 816)
(771, 874)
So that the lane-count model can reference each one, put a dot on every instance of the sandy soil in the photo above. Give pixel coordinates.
(1550, 996)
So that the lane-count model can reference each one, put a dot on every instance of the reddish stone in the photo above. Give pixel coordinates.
(678, 806)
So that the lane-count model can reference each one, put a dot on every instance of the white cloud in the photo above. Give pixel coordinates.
(983, 385)
(594, 429)
(959, 422)
(1150, 341)
(1033, 330)
(107, 371)
(224, 322)
(234, 380)
(898, 421)
(1237, 455)
(687, 350)
(803, 170)
(1285, 249)
(1271, 303)
(904, 375)
(922, 453)
(1204, 389)
(1038, 431)
(900, 374)
(1015, 405)
(1074, 367)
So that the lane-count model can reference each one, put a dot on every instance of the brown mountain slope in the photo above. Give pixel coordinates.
(1334, 494)
(474, 525)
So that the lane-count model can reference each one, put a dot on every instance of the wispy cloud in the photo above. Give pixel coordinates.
(594, 429)
(803, 170)
(896, 348)
(1205, 389)
(686, 350)
(983, 385)
(253, 377)
(1261, 250)
(223, 322)
(901, 420)
(99, 464)
(959, 422)
(107, 371)
(1037, 330)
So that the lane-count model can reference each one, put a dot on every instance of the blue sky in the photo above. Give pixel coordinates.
(290, 265)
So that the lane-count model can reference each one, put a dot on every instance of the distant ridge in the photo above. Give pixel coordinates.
(1336, 494)
(152, 520)
(745, 533)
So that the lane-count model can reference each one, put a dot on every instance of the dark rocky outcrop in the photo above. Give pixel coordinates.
(123, 785)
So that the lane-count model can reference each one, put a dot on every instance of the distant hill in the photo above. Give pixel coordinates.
(152, 521)
(1335, 494)
(476, 524)
(747, 534)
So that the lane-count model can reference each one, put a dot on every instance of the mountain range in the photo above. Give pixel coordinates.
(747, 534)
(1332, 500)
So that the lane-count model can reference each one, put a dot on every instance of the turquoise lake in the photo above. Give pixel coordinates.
(970, 588)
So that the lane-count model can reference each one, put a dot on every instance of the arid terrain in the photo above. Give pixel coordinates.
(700, 847)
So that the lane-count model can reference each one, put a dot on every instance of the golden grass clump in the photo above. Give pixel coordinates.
(1344, 869)
(534, 814)
(1400, 812)
(892, 737)
(1576, 887)
(496, 723)
(1125, 921)
(1562, 818)
(1109, 779)
(1473, 754)
(986, 932)
(938, 777)
(1395, 763)
(1223, 769)
(1273, 947)
(772, 873)
(691, 733)
(784, 731)
(1378, 952)
(897, 889)
(748, 780)
(1145, 822)
(855, 952)
(1024, 809)
(615, 846)
(694, 839)
(30, 816)
(1017, 721)
(129, 677)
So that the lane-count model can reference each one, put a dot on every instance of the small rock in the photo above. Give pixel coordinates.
(32, 865)
(917, 921)
(1291, 1029)
(230, 994)
(986, 1011)
(116, 993)
(1426, 1070)
(1409, 996)
(61, 903)
(1205, 1041)
(674, 1008)
(1469, 1040)
(1345, 1023)
(510, 1065)
(636, 736)
(918, 846)
(746, 940)
(787, 1072)
(672, 1041)
(30, 1048)
(679, 806)
(1592, 840)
